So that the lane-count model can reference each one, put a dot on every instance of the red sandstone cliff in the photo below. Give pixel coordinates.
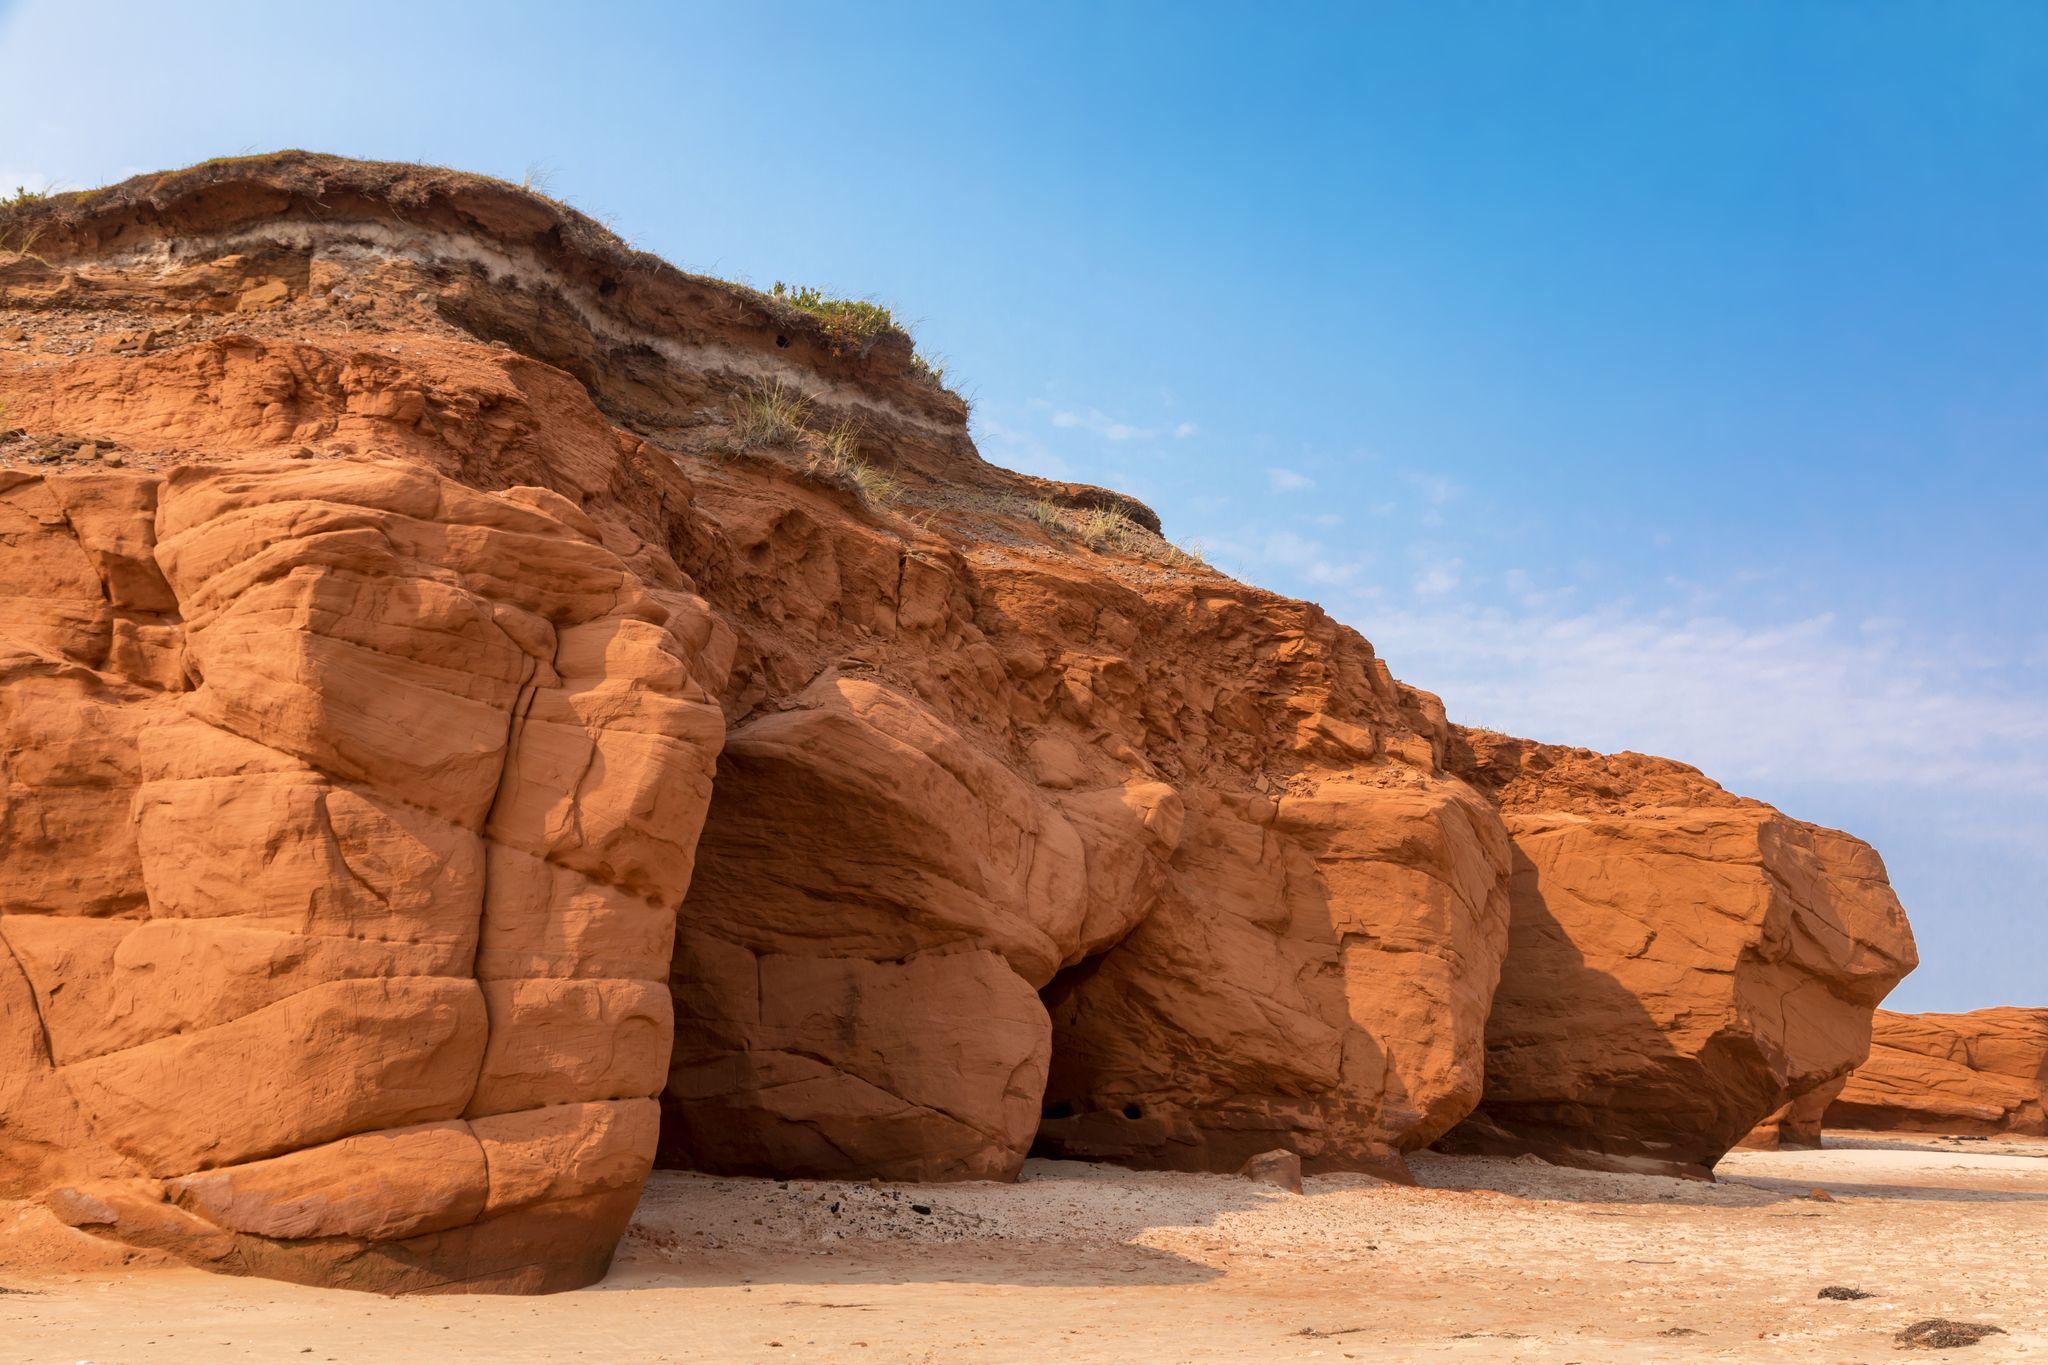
(391, 555)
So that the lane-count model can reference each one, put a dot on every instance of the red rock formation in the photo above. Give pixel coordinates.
(1317, 975)
(858, 966)
(956, 766)
(346, 812)
(1680, 960)
(377, 540)
(1983, 1072)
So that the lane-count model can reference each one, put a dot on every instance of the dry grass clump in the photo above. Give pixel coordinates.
(15, 239)
(778, 415)
(1188, 556)
(1099, 528)
(1105, 529)
(771, 414)
(836, 458)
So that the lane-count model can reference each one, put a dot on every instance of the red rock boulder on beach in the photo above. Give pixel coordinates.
(1316, 977)
(347, 813)
(1680, 962)
(859, 966)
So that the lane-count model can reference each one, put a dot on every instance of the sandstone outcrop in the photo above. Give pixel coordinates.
(345, 812)
(399, 572)
(1317, 974)
(858, 968)
(968, 736)
(1982, 1072)
(1680, 961)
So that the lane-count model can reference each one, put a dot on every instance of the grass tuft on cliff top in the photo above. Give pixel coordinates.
(850, 324)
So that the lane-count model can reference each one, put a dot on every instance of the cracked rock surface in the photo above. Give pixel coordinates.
(342, 852)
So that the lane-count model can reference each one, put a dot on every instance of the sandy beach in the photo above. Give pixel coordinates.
(1485, 1260)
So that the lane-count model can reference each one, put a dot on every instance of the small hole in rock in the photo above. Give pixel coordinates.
(1132, 1111)
(782, 342)
(1058, 1109)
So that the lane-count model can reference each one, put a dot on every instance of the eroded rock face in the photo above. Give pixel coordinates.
(860, 963)
(1680, 961)
(1982, 1072)
(1316, 976)
(346, 809)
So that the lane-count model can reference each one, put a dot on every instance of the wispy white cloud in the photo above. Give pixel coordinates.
(1303, 560)
(1521, 585)
(1812, 699)
(1439, 578)
(1433, 488)
(1291, 548)
(1287, 480)
(1096, 422)
(1343, 573)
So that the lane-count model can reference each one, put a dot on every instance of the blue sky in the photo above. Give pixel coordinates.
(1669, 377)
